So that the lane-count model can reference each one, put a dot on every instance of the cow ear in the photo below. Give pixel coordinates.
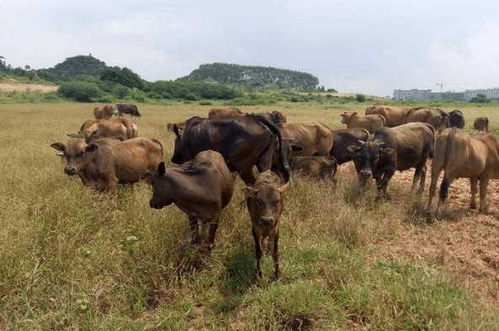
(353, 148)
(161, 168)
(74, 135)
(283, 188)
(176, 130)
(387, 151)
(59, 147)
(169, 127)
(91, 147)
(249, 192)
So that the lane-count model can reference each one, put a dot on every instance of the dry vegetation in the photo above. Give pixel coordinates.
(71, 258)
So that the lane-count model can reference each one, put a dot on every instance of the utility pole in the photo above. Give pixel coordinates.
(441, 86)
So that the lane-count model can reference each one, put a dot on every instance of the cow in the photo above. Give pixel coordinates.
(105, 112)
(244, 142)
(119, 128)
(180, 127)
(308, 138)
(389, 149)
(264, 201)
(275, 117)
(434, 116)
(368, 122)
(481, 124)
(200, 188)
(218, 113)
(103, 166)
(456, 119)
(459, 155)
(394, 116)
(130, 109)
(344, 138)
(322, 167)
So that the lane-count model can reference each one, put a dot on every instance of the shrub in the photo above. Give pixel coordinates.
(121, 91)
(79, 91)
(123, 76)
(360, 98)
(480, 98)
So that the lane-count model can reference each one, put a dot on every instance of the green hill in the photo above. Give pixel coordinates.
(74, 67)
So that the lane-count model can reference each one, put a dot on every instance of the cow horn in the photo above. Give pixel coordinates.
(362, 142)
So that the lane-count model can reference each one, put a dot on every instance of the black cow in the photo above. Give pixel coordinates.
(127, 109)
(244, 142)
(344, 138)
(456, 119)
(389, 149)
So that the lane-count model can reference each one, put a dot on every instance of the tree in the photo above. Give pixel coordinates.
(74, 67)
(360, 98)
(79, 91)
(123, 76)
(480, 98)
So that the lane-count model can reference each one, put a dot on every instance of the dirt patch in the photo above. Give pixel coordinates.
(21, 87)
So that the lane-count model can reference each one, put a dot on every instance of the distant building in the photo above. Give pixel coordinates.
(416, 94)
(413, 94)
(491, 93)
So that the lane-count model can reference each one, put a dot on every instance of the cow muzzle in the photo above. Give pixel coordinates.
(267, 221)
(70, 171)
(155, 205)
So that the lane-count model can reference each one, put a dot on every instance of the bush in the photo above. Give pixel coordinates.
(360, 98)
(480, 98)
(79, 91)
(123, 76)
(121, 91)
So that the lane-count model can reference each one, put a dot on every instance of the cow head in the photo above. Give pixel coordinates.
(265, 199)
(346, 117)
(180, 152)
(366, 158)
(76, 154)
(161, 189)
(278, 118)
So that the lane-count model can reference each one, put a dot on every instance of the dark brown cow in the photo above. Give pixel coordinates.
(218, 113)
(434, 116)
(323, 167)
(368, 122)
(456, 119)
(344, 138)
(130, 109)
(265, 202)
(119, 128)
(201, 188)
(103, 165)
(244, 142)
(390, 149)
(308, 139)
(105, 112)
(394, 116)
(481, 124)
(459, 155)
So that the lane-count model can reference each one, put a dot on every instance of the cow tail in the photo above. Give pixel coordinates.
(444, 187)
(282, 152)
(434, 135)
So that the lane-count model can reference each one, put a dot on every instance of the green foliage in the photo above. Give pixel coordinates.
(121, 91)
(254, 76)
(123, 76)
(79, 91)
(73, 68)
(192, 90)
(360, 98)
(480, 98)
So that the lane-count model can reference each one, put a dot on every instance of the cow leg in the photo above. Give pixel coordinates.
(212, 231)
(484, 182)
(474, 190)
(444, 191)
(435, 173)
(416, 178)
(193, 223)
(383, 183)
(258, 252)
(422, 180)
(275, 255)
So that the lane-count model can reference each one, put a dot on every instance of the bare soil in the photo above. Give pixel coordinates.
(22, 87)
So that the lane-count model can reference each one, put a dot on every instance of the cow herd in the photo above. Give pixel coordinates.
(264, 149)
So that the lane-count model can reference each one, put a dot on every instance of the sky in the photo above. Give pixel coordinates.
(360, 46)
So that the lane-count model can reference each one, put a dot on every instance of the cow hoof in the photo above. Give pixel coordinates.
(472, 205)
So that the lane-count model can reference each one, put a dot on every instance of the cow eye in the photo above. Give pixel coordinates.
(259, 203)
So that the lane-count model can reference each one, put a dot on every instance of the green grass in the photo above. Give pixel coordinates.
(71, 258)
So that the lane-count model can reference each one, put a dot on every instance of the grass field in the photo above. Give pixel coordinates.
(71, 258)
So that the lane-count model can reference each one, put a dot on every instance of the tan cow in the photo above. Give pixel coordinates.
(434, 116)
(481, 124)
(323, 167)
(119, 128)
(201, 188)
(368, 122)
(225, 113)
(308, 138)
(103, 166)
(265, 202)
(105, 112)
(460, 155)
(394, 116)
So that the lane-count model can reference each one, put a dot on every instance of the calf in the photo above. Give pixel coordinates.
(434, 116)
(462, 155)
(308, 139)
(119, 128)
(481, 124)
(368, 122)
(105, 112)
(224, 113)
(344, 138)
(104, 165)
(394, 116)
(390, 149)
(456, 119)
(265, 201)
(130, 109)
(323, 167)
(201, 188)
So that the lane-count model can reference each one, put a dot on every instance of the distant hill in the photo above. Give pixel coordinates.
(74, 67)
(255, 76)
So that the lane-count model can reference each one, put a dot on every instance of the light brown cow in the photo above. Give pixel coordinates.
(119, 128)
(461, 155)
(103, 166)
(105, 112)
(308, 139)
(323, 167)
(434, 116)
(224, 113)
(201, 188)
(481, 124)
(368, 122)
(394, 116)
(265, 202)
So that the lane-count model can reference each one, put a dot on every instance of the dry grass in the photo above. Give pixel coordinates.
(74, 259)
